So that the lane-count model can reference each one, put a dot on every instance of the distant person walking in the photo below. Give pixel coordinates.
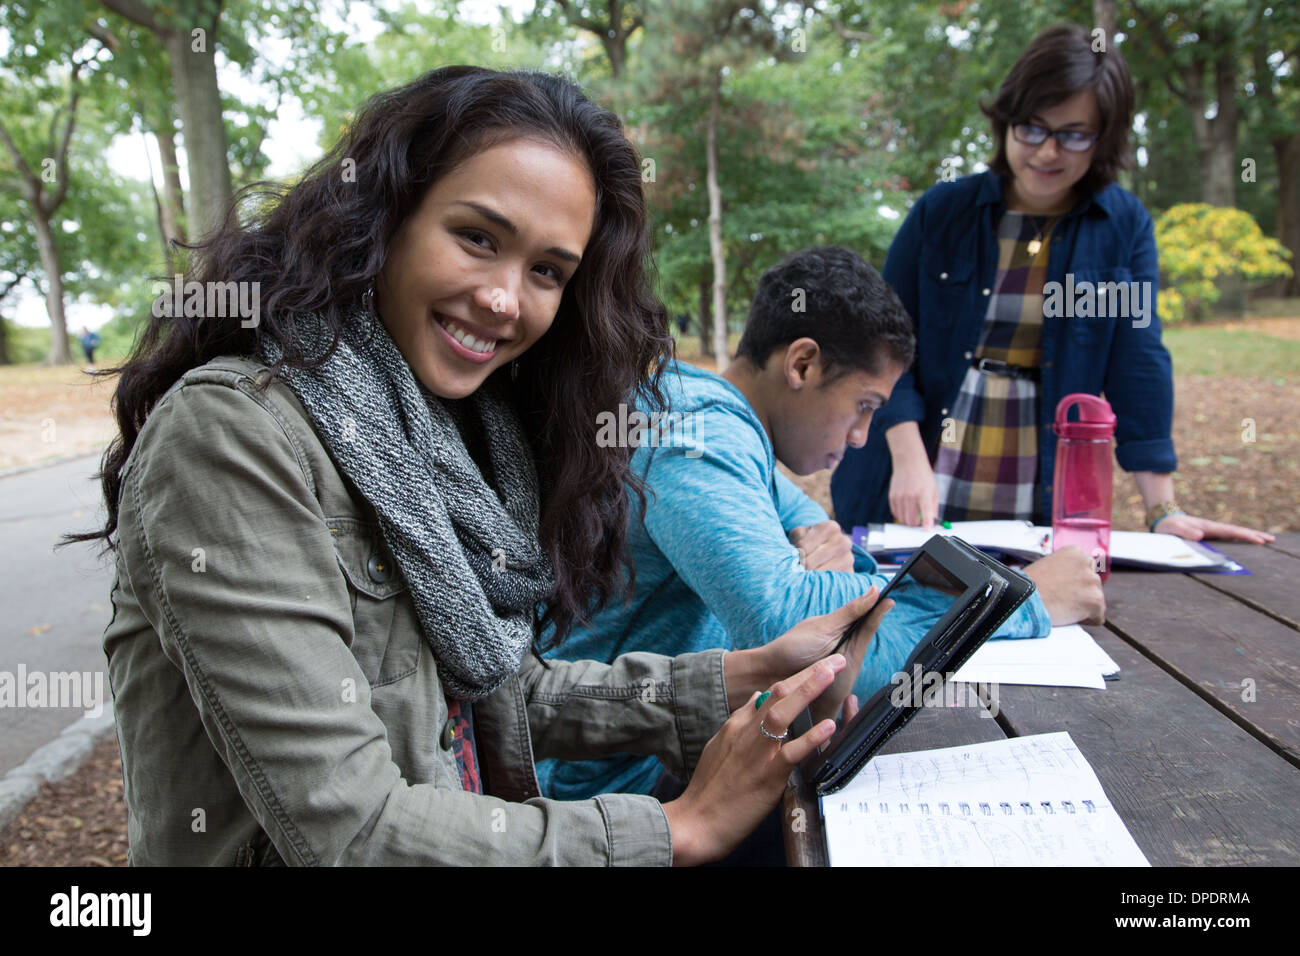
(89, 342)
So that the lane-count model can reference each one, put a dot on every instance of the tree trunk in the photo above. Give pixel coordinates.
(706, 325)
(1224, 165)
(198, 102)
(1287, 151)
(1103, 15)
(615, 49)
(59, 354)
(720, 352)
(5, 357)
(1216, 139)
(171, 201)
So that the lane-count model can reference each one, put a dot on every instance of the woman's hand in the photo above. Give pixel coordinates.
(741, 773)
(757, 669)
(1158, 489)
(1196, 529)
(913, 493)
(823, 547)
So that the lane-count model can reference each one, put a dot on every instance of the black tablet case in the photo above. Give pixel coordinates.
(879, 719)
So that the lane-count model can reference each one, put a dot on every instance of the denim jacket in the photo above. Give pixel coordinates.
(276, 702)
(942, 264)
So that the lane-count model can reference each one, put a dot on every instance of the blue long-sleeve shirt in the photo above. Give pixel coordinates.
(714, 565)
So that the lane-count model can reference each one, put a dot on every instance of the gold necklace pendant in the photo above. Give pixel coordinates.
(1034, 246)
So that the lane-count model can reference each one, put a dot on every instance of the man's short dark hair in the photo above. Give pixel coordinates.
(832, 296)
(1059, 63)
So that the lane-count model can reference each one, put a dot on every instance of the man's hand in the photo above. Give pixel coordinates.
(823, 547)
(1069, 586)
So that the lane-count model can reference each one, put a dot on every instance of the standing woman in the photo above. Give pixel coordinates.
(335, 519)
(967, 433)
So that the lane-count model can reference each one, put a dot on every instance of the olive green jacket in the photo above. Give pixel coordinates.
(276, 702)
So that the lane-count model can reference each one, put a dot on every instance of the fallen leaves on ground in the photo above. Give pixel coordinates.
(79, 821)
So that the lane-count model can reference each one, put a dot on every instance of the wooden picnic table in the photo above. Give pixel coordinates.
(1197, 744)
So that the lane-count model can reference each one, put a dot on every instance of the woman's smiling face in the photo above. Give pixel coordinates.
(1044, 176)
(475, 275)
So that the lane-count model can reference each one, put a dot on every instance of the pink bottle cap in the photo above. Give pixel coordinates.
(1096, 418)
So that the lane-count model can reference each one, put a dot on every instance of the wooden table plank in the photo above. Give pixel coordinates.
(930, 729)
(1288, 541)
(1192, 787)
(936, 727)
(1273, 585)
(1247, 663)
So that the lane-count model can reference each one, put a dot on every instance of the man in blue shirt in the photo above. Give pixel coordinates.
(731, 553)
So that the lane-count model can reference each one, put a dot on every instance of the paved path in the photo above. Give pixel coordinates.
(54, 605)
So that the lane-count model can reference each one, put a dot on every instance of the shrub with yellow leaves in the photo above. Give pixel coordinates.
(1200, 243)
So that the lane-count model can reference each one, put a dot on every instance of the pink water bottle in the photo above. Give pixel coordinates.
(1081, 488)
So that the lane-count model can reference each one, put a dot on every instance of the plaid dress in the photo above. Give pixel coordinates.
(987, 462)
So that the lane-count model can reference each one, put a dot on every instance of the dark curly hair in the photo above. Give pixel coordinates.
(831, 295)
(318, 246)
(1059, 63)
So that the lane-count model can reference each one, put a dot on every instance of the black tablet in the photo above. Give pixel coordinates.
(955, 598)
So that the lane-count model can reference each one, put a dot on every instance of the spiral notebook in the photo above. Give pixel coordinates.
(1026, 801)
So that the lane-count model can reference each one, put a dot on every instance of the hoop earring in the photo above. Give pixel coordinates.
(368, 299)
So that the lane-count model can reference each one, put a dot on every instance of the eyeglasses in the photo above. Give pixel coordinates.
(1073, 140)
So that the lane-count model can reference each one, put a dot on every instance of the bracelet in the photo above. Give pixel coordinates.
(1158, 513)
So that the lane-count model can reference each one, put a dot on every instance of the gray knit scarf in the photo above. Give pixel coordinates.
(469, 553)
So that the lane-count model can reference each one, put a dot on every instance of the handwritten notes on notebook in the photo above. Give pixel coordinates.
(1027, 801)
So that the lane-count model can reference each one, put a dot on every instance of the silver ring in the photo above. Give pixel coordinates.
(770, 736)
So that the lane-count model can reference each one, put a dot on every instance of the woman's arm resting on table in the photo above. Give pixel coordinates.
(1158, 489)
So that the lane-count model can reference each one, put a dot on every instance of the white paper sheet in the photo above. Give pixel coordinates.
(1027, 801)
(1164, 549)
(1021, 537)
(1068, 657)
(1012, 535)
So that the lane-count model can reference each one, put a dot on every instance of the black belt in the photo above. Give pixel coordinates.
(1013, 371)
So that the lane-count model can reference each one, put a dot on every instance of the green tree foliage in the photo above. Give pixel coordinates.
(416, 38)
(801, 162)
(57, 189)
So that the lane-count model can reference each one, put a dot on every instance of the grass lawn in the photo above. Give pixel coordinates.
(1265, 349)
